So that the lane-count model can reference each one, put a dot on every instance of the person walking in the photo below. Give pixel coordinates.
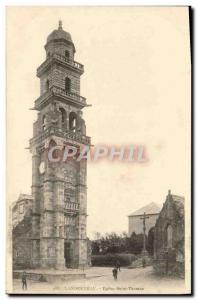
(115, 273)
(143, 263)
(24, 281)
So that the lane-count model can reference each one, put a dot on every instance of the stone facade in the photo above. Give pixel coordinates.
(169, 239)
(135, 219)
(57, 235)
(21, 241)
(21, 208)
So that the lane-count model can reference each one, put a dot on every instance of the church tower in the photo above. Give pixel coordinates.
(59, 188)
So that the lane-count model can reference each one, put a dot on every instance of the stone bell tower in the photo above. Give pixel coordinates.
(59, 189)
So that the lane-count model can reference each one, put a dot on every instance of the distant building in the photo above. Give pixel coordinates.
(135, 222)
(21, 208)
(169, 238)
(21, 234)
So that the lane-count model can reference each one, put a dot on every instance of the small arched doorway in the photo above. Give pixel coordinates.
(56, 152)
(63, 118)
(44, 122)
(73, 121)
(67, 84)
(67, 55)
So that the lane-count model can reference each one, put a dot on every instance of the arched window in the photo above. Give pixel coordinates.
(63, 117)
(169, 236)
(56, 153)
(72, 121)
(67, 55)
(52, 143)
(44, 122)
(47, 85)
(67, 84)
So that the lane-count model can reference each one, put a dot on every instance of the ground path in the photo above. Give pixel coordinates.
(100, 280)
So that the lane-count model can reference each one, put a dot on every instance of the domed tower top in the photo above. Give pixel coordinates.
(59, 34)
(59, 37)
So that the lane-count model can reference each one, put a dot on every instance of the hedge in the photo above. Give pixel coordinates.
(109, 260)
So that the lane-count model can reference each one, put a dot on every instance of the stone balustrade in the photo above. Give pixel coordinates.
(61, 92)
(61, 58)
(57, 91)
(78, 137)
(71, 206)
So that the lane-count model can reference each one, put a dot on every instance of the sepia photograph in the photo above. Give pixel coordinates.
(98, 150)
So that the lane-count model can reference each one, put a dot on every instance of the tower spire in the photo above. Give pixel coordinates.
(60, 25)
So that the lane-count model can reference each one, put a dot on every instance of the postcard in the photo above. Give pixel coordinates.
(98, 150)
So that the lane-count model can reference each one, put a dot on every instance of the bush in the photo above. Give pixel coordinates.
(109, 260)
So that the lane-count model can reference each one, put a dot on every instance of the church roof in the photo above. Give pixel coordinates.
(179, 203)
(25, 196)
(178, 199)
(58, 34)
(151, 208)
(21, 198)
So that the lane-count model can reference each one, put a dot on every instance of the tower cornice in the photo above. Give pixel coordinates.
(61, 95)
(74, 138)
(61, 60)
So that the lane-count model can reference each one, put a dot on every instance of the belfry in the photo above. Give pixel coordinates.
(59, 210)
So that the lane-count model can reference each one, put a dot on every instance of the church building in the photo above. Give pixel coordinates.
(59, 208)
(151, 211)
(169, 239)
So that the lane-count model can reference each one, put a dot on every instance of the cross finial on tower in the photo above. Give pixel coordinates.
(60, 24)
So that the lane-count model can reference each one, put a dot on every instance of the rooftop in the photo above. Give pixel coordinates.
(179, 202)
(151, 208)
(59, 34)
(25, 196)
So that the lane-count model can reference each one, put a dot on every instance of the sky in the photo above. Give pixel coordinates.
(137, 78)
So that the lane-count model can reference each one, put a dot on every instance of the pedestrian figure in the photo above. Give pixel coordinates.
(24, 281)
(143, 263)
(115, 273)
(118, 265)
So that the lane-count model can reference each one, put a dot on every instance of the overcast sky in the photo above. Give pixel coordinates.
(137, 78)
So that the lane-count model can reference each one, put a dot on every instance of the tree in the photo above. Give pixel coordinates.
(114, 243)
(135, 243)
